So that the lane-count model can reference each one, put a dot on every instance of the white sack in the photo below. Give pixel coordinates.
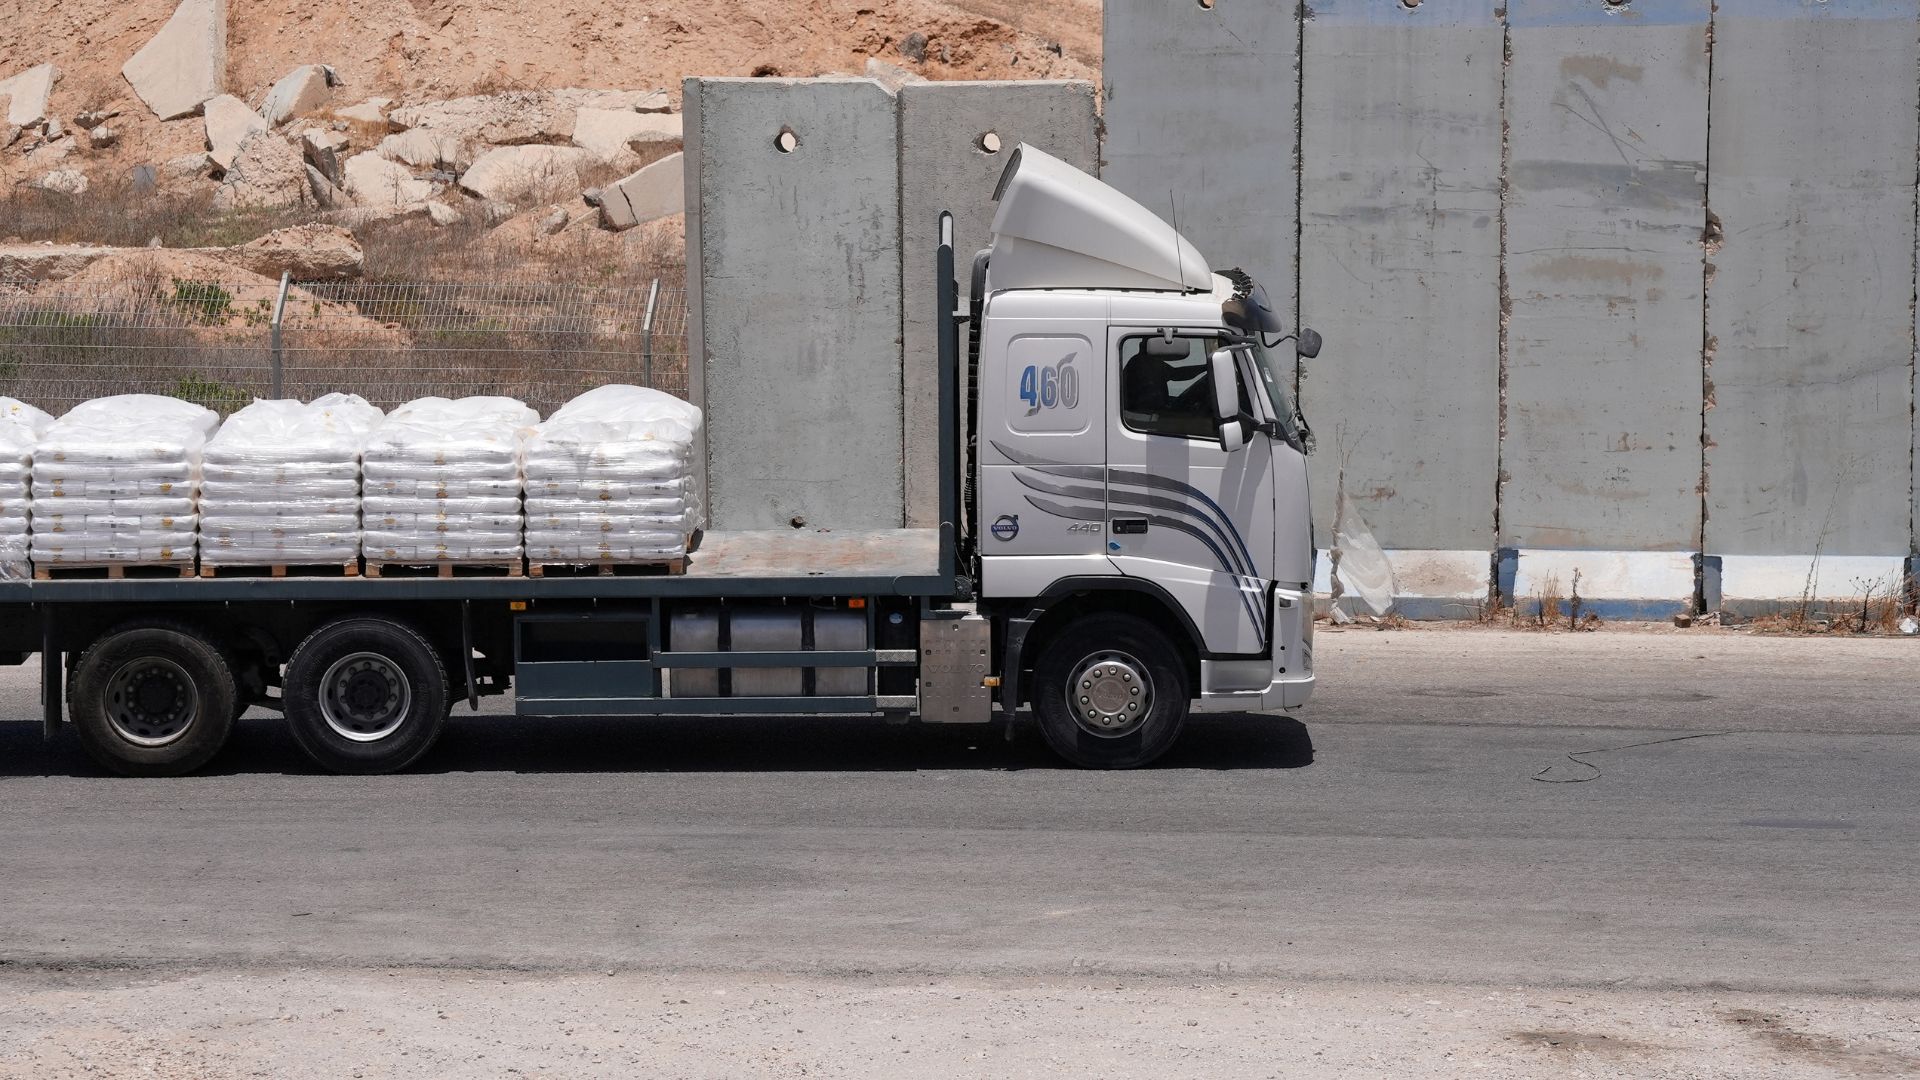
(116, 480)
(609, 478)
(281, 483)
(443, 481)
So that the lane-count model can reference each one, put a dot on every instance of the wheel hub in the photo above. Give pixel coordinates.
(365, 697)
(151, 701)
(1110, 695)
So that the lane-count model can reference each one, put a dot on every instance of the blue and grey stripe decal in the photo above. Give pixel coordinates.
(1194, 513)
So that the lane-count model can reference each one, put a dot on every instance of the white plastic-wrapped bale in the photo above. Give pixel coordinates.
(281, 485)
(443, 481)
(20, 427)
(116, 482)
(611, 480)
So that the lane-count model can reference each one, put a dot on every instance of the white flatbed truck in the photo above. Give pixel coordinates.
(1124, 538)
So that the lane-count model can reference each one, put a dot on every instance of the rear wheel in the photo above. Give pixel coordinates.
(156, 699)
(365, 696)
(1109, 692)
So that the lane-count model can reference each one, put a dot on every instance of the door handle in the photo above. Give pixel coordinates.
(1129, 526)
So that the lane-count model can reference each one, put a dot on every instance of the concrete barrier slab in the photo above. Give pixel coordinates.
(1400, 268)
(1201, 113)
(1811, 303)
(1607, 122)
(955, 138)
(793, 268)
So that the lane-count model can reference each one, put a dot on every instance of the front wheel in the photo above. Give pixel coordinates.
(365, 696)
(1109, 692)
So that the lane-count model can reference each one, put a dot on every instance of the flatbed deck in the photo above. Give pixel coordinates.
(896, 562)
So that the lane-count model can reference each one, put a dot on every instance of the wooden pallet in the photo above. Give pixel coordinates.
(666, 567)
(280, 570)
(443, 569)
(111, 571)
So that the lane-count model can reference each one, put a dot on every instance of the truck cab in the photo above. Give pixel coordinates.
(1139, 474)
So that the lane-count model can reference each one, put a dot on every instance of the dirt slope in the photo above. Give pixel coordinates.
(422, 49)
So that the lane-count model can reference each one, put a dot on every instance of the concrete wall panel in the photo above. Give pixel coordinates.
(1607, 125)
(1811, 303)
(945, 165)
(794, 270)
(1201, 113)
(1400, 267)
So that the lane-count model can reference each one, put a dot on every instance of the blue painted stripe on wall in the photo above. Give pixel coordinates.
(1431, 14)
(1527, 14)
(1820, 9)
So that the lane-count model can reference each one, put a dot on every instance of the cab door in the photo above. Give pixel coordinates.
(1184, 512)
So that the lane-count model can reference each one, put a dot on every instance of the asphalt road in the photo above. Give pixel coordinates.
(1401, 828)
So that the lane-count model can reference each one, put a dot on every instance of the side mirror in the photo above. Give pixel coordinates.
(1307, 343)
(1226, 400)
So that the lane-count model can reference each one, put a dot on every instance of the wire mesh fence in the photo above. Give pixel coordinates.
(223, 344)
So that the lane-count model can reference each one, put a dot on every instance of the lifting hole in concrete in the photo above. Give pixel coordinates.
(1410, 4)
(989, 142)
(786, 142)
(1617, 3)
(1207, 4)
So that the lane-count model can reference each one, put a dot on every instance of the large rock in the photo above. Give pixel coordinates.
(385, 187)
(48, 262)
(27, 93)
(507, 173)
(613, 133)
(307, 252)
(299, 92)
(521, 117)
(184, 65)
(425, 148)
(323, 153)
(326, 193)
(229, 122)
(371, 111)
(64, 181)
(187, 166)
(657, 191)
(267, 171)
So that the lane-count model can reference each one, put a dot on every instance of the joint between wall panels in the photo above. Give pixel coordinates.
(1711, 235)
(1506, 302)
(1301, 14)
(1912, 583)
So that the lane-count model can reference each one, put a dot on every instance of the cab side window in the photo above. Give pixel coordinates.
(1168, 389)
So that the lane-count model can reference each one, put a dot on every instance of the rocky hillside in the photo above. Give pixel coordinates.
(517, 121)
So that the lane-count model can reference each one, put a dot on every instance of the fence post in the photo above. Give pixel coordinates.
(279, 311)
(646, 333)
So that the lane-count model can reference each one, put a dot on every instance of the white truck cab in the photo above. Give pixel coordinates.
(1138, 460)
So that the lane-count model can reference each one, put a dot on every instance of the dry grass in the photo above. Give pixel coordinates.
(1876, 608)
(115, 213)
(1546, 609)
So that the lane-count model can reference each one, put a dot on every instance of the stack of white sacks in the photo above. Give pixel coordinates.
(116, 480)
(20, 427)
(443, 482)
(281, 483)
(610, 479)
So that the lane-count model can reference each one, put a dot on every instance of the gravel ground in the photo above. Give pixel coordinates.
(312, 1024)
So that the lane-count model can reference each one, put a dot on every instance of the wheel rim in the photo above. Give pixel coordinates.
(1110, 694)
(152, 701)
(365, 697)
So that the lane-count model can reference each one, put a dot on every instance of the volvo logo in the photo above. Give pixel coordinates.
(1007, 527)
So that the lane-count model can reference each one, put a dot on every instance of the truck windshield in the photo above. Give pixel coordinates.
(1276, 376)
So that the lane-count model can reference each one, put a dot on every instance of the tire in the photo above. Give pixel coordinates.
(1118, 661)
(365, 696)
(153, 699)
